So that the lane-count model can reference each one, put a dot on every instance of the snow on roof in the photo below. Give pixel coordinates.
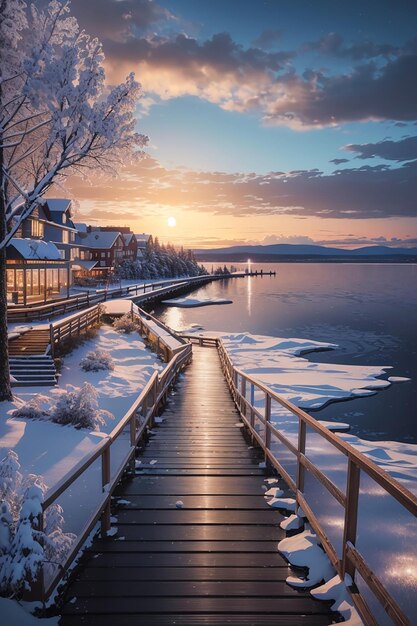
(35, 249)
(82, 228)
(58, 204)
(142, 239)
(84, 265)
(100, 239)
(127, 238)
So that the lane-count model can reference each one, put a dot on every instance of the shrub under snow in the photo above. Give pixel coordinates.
(24, 548)
(80, 409)
(32, 409)
(97, 360)
(125, 324)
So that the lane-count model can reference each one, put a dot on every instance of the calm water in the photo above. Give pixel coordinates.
(368, 310)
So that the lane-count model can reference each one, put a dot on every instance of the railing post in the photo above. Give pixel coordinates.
(51, 339)
(105, 480)
(302, 429)
(267, 422)
(243, 394)
(132, 439)
(252, 403)
(351, 514)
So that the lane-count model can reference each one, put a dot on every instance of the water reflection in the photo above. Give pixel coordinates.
(249, 294)
(174, 317)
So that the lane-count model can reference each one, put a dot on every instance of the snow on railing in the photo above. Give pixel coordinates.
(291, 459)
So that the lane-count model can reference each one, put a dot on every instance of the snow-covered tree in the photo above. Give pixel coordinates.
(57, 117)
(24, 545)
(79, 407)
(160, 261)
(10, 480)
(20, 566)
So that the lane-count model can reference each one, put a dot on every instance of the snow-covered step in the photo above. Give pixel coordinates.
(32, 371)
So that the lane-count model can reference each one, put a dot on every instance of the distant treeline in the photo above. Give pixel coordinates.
(160, 261)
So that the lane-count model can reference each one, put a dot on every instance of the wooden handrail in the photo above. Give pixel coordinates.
(351, 560)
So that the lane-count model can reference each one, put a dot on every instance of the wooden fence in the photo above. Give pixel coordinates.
(140, 293)
(255, 402)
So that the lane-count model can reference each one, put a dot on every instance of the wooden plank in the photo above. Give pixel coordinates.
(196, 516)
(129, 589)
(240, 605)
(111, 574)
(201, 619)
(167, 546)
(175, 532)
(238, 502)
(179, 559)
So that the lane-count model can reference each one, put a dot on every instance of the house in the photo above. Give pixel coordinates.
(104, 247)
(130, 250)
(35, 271)
(39, 256)
(142, 240)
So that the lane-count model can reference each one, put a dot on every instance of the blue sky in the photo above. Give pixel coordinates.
(246, 87)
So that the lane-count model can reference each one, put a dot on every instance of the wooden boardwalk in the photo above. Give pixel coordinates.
(214, 560)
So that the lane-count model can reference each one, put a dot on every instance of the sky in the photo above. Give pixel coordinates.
(269, 121)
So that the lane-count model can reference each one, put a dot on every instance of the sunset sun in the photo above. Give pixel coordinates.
(172, 222)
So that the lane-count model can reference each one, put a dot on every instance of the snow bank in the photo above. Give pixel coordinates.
(335, 589)
(51, 449)
(303, 550)
(195, 302)
(12, 612)
(277, 363)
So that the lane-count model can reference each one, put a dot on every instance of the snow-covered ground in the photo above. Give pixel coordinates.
(195, 302)
(52, 450)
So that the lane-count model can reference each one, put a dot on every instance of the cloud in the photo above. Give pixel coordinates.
(351, 193)
(339, 161)
(402, 150)
(333, 44)
(121, 19)
(219, 70)
(268, 39)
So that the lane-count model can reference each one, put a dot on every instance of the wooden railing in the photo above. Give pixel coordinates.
(255, 402)
(61, 331)
(140, 292)
(113, 463)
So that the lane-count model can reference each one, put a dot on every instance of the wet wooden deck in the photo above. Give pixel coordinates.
(214, 561)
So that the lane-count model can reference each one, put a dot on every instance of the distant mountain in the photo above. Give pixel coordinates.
(283, 250)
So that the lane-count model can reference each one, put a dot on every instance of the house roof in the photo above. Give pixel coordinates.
(59, 205)
(142, 239)
(32, 249)
(127, 238)
(82, 228)
(86, 265)
(99, 239)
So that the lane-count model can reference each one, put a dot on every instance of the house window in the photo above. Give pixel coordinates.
(103, 255)
(65, 236)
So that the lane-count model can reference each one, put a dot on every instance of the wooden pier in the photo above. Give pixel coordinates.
(196, 541)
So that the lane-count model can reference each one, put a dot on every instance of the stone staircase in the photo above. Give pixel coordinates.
(30, 363)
